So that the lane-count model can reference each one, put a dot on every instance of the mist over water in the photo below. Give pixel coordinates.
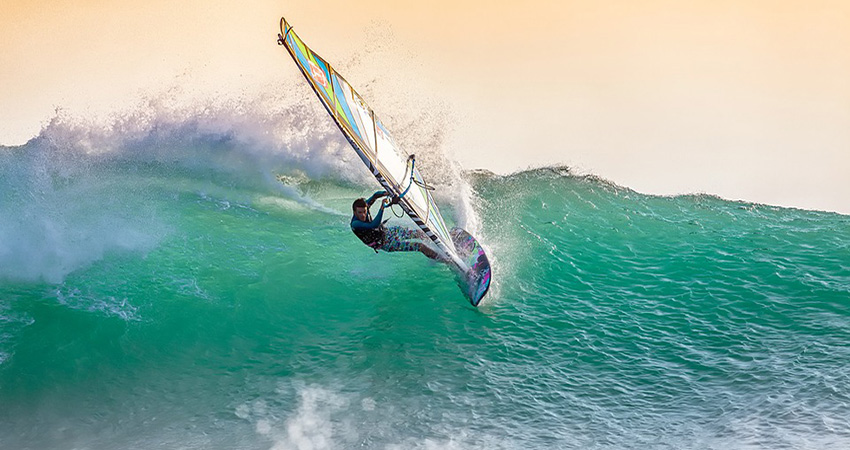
(160, 288)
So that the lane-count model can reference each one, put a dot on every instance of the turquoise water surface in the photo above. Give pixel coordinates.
(164, 290)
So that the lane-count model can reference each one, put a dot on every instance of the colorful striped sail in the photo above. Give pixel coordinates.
(393, 168)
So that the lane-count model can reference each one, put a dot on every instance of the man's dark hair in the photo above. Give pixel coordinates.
(359, 203)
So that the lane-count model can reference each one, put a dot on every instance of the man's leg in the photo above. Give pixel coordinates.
(427, 251)
(398, 239)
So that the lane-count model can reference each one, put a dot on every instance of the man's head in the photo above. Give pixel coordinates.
(360, 209)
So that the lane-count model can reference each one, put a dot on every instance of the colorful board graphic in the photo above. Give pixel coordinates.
(476, 281)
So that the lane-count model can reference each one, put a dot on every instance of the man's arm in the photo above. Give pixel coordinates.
(374, 197)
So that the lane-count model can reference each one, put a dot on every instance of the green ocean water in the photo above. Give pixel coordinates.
(163, 290)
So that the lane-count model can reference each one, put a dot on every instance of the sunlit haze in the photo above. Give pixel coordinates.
(746, 99)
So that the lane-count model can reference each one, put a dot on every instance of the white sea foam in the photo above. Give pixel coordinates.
(324, 419)
(80, 189)
(55, 233)
(308, 427)
(11, 323)
(109, 305)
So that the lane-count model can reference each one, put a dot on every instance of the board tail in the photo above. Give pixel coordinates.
(475, 280)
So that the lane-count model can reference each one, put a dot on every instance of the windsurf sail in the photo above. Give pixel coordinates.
(395, 170)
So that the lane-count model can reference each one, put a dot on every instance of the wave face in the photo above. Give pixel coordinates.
(160, 288)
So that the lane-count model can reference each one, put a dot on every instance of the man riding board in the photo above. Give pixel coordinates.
(374, 234)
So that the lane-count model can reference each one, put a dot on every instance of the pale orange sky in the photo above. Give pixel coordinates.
(744, 99)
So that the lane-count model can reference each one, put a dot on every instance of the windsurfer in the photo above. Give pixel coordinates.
(374, 234)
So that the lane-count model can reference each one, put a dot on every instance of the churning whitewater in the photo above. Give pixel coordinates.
(186, 279)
